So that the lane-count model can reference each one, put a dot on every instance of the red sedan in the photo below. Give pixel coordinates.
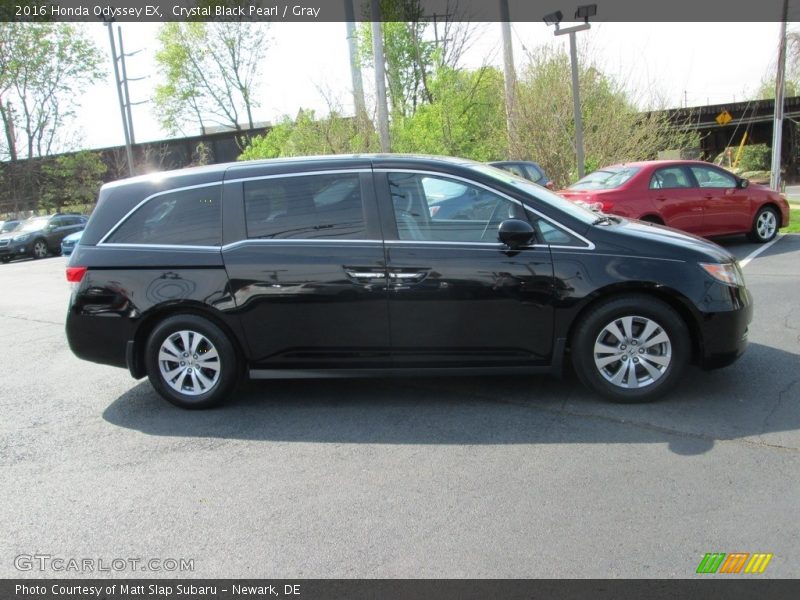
(690, 195)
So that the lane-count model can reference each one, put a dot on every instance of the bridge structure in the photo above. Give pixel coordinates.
(723, 126)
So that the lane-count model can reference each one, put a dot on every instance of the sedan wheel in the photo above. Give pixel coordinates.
(630, 348)
(765, 226)
(39, 249)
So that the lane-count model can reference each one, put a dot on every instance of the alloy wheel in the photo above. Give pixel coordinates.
(632, 352)
(189, 363)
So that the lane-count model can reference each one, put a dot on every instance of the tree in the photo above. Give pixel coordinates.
(411, 56)
(208, 73)
(466, 117)
(335, 134)
(41, 66)
(72, 179)
(615, 129)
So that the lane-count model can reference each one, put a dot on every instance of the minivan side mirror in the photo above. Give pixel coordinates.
(515, 233)
(742, 183)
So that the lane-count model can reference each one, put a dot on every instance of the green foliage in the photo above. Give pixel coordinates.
(466, 117)
(208, 72)
(41, 67)
(614, 128)
(72, 179)
(306, 136)
(754, 157)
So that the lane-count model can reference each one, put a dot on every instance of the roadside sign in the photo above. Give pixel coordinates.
(723, 118)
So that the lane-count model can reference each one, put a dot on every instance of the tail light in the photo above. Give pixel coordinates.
(75, 274)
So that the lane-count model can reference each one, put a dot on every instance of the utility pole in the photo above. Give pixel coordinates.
(128, 149)
(125, 86)
(509, 75)
(355, 70)
(777, 122)
(380, 76)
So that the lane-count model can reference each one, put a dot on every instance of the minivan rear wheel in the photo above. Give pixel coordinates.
(191, 362)
(631, 348)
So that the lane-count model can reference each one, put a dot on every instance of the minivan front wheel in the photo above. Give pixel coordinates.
(631, 348)
(191, 362)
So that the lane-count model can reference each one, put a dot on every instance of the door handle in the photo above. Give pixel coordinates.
(401, 279)
(365, 275)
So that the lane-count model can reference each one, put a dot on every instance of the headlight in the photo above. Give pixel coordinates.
(728, 273)
(22, 238)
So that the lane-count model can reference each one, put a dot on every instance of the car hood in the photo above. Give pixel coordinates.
(73, 237)
(671, 242)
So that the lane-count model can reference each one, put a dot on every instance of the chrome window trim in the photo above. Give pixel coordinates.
(589, 244)
(119, 223)
(298, 241)
(129, 246)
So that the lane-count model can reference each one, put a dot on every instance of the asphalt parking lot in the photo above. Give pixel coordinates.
(472, 477)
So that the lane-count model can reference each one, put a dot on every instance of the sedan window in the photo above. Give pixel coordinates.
(712, 178)
(671, 177)
(605, 179)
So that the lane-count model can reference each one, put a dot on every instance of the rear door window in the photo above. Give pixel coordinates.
(183, 217)
(305, 207)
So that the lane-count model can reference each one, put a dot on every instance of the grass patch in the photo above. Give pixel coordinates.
(794, 220)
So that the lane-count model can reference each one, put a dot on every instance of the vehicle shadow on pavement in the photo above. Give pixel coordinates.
(753, 402)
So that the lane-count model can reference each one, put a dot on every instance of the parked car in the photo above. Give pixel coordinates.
(8, 226)
(68, 243)
(334, 266)
(690, 195)
(526, 169)
(39, 236)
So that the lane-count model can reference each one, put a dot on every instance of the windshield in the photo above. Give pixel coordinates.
(605, 179)
(538, 192)
(33, 225)
(8, 226)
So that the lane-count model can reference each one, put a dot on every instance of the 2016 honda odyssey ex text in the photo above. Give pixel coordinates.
(343, 266)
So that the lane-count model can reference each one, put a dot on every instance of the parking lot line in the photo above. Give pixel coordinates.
(757, 251)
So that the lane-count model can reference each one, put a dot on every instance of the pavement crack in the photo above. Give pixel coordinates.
(782, 395)
(30, 320)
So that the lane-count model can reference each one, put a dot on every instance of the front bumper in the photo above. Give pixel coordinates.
(15, 249)
(724, 333)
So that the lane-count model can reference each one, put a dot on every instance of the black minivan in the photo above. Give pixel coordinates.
(342, 266)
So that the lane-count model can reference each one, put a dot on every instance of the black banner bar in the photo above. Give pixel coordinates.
(706, 588)
(310, 11)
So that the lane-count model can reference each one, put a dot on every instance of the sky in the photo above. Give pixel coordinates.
(680, 63)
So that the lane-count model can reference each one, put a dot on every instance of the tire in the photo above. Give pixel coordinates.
(603, 359)
(39, 249)
(200, 382)
(5, 260)
(765, 225)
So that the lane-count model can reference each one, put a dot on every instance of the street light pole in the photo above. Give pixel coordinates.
(583, 12)
(576, 105)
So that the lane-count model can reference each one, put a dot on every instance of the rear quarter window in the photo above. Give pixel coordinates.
(189, 217)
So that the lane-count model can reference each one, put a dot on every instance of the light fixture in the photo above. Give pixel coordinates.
(586, 11)
(554, 18)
